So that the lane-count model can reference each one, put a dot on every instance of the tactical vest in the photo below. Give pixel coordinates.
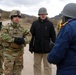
(13, 31)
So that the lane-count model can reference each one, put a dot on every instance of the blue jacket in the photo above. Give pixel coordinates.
(63, 53)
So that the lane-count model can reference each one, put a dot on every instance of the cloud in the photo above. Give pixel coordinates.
(31, 7)
(27, 2)
(20, 2)
(68, 1)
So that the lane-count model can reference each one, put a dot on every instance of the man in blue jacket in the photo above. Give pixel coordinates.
(63, 53)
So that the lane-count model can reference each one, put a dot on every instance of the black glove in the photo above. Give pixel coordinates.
(19, 41)
(0, 25)
(31, 50)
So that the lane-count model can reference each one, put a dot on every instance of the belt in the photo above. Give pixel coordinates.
(11, 45)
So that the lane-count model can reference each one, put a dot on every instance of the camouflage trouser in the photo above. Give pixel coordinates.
(1, 62)
(13, 62)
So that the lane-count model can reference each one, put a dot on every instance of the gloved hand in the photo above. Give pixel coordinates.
(31, 50)
(0, 25)
(19, 41)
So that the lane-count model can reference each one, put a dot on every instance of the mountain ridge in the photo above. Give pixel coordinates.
(5, 14)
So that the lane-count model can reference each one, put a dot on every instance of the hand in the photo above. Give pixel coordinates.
(31, 50)
(19, 41)
(0, 25)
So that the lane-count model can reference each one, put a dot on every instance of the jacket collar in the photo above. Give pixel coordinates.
(40, 20)
(69, 20)
(15, 24)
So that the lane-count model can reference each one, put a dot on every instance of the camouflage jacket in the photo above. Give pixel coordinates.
(10, 31)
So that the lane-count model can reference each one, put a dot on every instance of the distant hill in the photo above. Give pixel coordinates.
(29, 18)
(55, 20)
(57, 17)
(5, 14)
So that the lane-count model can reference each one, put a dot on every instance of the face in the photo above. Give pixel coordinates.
(42, 16)
(16, 19)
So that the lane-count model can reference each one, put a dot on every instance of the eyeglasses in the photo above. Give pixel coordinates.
(16, 16)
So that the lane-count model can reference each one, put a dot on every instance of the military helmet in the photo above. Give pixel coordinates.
(15, 12)
(42, 11)
(69, 10)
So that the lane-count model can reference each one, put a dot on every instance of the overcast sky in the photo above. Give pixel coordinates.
(31, 7)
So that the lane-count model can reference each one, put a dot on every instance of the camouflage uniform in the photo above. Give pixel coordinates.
(13, 53)
(1, 47)
(1, 59)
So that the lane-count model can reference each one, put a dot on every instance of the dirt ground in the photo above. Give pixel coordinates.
(28, 63)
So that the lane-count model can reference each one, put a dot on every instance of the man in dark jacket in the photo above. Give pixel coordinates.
(63, 53)
(43, 34)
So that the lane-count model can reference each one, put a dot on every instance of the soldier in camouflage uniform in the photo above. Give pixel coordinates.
(13, 41)
(1, 47)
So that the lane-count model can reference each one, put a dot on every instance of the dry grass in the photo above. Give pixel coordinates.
(25, 24)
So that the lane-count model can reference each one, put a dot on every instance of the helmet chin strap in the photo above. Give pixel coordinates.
(65, 19)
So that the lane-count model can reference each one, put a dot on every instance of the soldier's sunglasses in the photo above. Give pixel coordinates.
(16, 16)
